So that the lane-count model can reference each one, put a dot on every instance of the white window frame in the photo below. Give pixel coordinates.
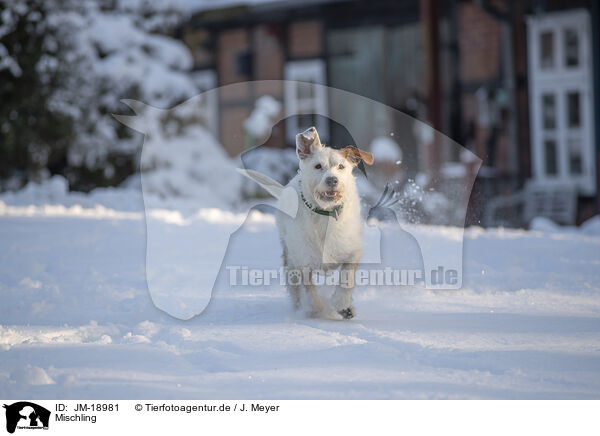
(312, 71)
(206, 80)
(558, 81)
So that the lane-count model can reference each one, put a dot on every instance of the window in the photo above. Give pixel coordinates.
(548, 112)
(561, 109)
(571, 47)
(575, 156)
(546, 50)
(573, 110)
(305, 104)
(551, 161)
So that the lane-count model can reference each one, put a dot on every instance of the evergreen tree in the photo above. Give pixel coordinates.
(64, 67)
(33, 137)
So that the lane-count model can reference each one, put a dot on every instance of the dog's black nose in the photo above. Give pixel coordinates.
(331, 181)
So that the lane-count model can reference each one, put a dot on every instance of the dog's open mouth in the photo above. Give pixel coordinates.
(329, 195)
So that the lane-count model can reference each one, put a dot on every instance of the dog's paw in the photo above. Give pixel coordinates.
(314, 314)
(347, 313)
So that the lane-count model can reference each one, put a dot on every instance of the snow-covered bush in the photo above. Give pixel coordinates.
(260, 121)
(182, 165)
(386, 149)
(190, 167)
(258, 125)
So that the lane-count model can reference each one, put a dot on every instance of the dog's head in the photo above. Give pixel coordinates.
(327, 172)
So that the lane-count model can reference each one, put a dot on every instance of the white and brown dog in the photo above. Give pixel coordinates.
(326, 233)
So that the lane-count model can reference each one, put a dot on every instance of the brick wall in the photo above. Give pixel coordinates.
(232, 110)
(479, 39)
(265, 43)
(232, 131)
(230, 44)
(268, 59)
(305, 39)
(479, 44)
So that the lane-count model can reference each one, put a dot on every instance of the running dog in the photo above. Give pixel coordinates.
(326, 233)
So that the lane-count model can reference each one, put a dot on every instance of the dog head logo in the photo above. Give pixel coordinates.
(26, 415)
(186, 250)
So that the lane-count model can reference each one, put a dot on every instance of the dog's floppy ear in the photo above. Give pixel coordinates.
(307, 142)
(355, 155)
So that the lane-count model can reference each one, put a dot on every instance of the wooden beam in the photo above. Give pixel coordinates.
(430, 16)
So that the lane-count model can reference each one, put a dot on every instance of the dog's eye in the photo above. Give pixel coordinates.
(341, 166)
(318, 166)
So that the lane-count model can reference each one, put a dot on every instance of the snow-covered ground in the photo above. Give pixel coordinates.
(77, 320)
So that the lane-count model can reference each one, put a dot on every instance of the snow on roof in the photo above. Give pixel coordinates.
(207, 5)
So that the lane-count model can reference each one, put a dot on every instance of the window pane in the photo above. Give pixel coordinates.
(546, 50)
(573, 110)
(548, 112)
(551, 158)
(575, 156)
(571, 48)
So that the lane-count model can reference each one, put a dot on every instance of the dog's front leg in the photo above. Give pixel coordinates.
(311, 289)
(342, 297)
(293, 286)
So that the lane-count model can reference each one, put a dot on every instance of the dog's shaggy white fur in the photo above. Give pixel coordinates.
(326, 232)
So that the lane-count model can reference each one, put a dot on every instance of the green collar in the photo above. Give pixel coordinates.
(335, 212)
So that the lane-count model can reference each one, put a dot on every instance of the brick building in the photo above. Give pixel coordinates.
(515, 82)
